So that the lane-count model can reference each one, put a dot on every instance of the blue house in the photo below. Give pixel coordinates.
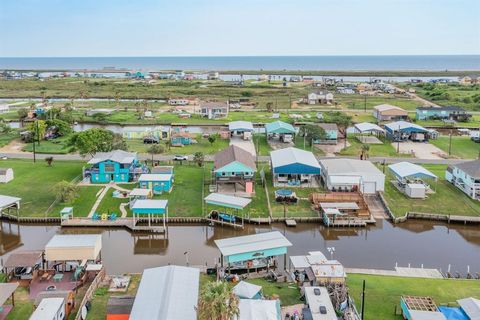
(331, 133)
(158, 182)
(235, 165)
(181, 138)
(442, 113)
(115, 166)
(295, 168)
(403, 130)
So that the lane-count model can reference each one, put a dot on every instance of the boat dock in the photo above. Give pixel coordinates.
(117, 223)
(400, 272)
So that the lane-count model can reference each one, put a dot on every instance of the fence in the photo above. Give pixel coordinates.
(90, 291)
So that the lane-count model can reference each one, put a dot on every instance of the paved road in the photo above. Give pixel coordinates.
(143, 156)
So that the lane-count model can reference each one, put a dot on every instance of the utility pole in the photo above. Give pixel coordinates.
(365, 102)
(38, 132)
(398, 141)
(34, 153)
(363, 300)
(450, 144)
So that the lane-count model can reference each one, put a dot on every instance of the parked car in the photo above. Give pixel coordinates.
(179, 157)
(4, 157)
(151, 140)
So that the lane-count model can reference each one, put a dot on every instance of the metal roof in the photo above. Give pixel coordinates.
(47, 309)
(345, 167)
(73, 240)
(279, 126)
(246, 290)
(368, 127)
(119, 156)
(240, 125)
(385, 107)
(8, 201)
(169, 292)
(155, 177)
(286, 156)
(250, 243)
(150, 204)
(402, 125)
(471, 307)
(140, 192)
(226, 200)
(329, 269)
(316, 301)
(6, 290)
(302, 262)
(255, 309)
(328, 126)
(406, 169)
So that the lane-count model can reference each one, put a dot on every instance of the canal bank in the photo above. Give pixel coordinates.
(433, 244)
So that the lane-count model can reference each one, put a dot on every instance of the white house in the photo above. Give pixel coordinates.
(352, 175)
(214, 110)
(466, 177)
(178, 102)
(6, 175)
(319, 97)
(4, 108)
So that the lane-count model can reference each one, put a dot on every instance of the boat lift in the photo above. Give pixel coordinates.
(227, 202)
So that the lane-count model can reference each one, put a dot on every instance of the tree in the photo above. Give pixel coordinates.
(100, 117)
(66, 191)
(199, 158)
(38, 128)
(61, 127)
(96, 140)
(155, 149)
(217, 302)
(341, 119)
(5, 128)
(49, 161)
(22, 113)
(212, 138)
(270, 106)
(365, 150)
(312, 132)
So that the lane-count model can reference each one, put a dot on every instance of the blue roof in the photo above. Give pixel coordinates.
(453, 313)
(279, 127)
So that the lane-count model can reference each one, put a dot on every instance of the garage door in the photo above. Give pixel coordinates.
(369, 187)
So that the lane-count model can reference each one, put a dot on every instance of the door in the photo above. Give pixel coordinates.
(369, 187)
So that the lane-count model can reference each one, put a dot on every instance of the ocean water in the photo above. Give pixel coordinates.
(337, 63)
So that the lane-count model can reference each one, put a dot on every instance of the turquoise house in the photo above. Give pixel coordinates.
(158, 182)
(180, 138)
(235, 165)
(443, 113)
(115, 166)
(331, 133)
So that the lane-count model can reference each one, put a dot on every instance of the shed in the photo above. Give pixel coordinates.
(169, 292)
(261, 245)
(317, 297)
(6, 175)
(158, 182)
(403, 170)
(415, 190)
(353, 175)
(49, 309)
(72, 247)
(245, 290)
(251, 309)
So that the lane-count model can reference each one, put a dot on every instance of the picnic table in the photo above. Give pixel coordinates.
(45, 277)
(58, 277)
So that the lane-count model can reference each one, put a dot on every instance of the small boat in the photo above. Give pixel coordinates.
(226, 217)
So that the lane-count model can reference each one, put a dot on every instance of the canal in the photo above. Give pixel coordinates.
(416, 242)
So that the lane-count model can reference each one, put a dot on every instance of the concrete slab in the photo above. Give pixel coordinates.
(369, 139)
(420, 150)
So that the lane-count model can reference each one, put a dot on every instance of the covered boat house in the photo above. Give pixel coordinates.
(411, 179)
(281, 131)
(403, 131)
(292, 167)
(151, 209)
(226, 202)
(252, 252)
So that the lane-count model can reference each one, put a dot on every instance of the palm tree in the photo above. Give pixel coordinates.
(365, 149)
(217, 302)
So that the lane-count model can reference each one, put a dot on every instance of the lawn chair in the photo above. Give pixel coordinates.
(112, 217)
(104, 217)
(95, 217)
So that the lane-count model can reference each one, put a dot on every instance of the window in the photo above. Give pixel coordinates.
(109, 167)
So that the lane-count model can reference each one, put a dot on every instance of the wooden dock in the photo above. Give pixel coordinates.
(400, 272)
(117, 223)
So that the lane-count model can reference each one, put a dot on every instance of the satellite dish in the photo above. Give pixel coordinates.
(84, 312)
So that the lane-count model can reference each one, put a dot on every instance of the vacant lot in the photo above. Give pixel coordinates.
(461, 147)
(382, 294)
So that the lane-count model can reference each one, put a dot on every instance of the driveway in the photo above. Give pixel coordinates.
(421, 150)
(244, 144)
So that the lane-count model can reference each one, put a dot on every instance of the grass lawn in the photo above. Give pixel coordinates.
(55, 146)
(462, 147)
(110, 204)
(383, 293)
(34, 182)
(299, 143)
(99, 301)
(82, 203)
(23, 305)
(447, 199)
(357, 101)
(376, 150)
(474, 122)
(202, 146)
(261, 145)
(6, 138)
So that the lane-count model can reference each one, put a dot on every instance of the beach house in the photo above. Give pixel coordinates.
(213, 109)
(235, 165)
(319, 97)
(331, 133)
(114, 166)
(294, 167)
(442, 113)
(466, 177)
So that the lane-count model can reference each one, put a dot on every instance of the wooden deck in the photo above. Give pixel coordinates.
(118, 223)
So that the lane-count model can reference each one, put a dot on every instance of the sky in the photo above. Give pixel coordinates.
(77, 28)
